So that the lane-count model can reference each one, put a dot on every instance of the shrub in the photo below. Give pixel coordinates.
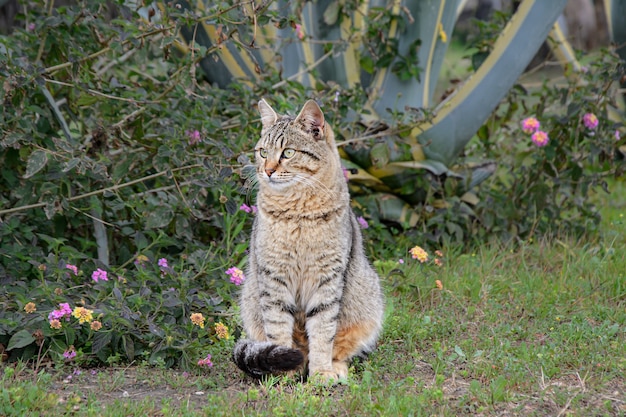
(117, 161)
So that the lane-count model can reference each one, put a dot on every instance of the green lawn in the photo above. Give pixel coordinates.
(535, 329)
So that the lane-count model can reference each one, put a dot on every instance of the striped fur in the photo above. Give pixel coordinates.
(309, 287)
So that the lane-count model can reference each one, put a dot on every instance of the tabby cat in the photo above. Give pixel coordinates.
(310, 295)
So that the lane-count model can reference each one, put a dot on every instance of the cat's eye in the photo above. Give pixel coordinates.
(288, 153)
(263, 153)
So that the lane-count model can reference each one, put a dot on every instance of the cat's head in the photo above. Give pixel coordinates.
(297, 150)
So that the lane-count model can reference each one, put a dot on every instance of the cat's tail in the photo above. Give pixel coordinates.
(263, 358)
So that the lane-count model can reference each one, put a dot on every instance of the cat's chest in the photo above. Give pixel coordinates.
(302, 245)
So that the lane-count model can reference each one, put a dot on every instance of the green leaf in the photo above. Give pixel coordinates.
(71, 164)
(36, 162)
(367, 64)
(379, 155)
(85, 99)
(129, 347)
(159, 218)
(331, 13)
(100, 341)
(20, 339)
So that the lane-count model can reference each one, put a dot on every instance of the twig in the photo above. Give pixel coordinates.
(104, 50)
(103, 190)
(304, 71)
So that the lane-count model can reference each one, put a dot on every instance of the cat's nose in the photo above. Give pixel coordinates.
(269, 171)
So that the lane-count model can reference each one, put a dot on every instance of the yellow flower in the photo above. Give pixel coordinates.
(96, 325)
(442, 33)
(419, 254)
(439, 285)
(197, 319)
(30, 308)
(83, 315)
(221, 330)
(55, 324)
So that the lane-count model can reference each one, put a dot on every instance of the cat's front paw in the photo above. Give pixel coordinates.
(326, 378)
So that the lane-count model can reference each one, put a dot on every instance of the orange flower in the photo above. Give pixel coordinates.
(197, 319)
(55, 324)
(438, 262)
(83, 315)
(439, 285)
(221, 330)
(30, 308)
(96, 325)
(419, 254)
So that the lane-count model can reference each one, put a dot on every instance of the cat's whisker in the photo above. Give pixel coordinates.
(313, 182)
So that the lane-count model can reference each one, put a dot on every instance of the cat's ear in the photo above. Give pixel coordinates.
(268, 115)
(311, 119)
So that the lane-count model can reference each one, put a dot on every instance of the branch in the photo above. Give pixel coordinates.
(103, 190)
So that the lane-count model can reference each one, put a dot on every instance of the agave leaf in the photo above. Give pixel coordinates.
(615, 13)
(389, 207)
(562, 49)
(460, 116)
(433, 22)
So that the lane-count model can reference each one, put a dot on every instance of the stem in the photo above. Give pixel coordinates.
(102, 190)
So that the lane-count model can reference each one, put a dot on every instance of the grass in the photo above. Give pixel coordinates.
(535, 329)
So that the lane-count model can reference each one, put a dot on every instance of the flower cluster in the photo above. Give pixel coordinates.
(419, 254)
(64, 311)
(72, 268)
(299, 31)
(221, 330)
(162, 263)
(362, 222)
(248, 209)
(590, 121)
(83, 315)
(422, 256)
(236, 275)
(531, 125)
(194, 137)
(206, 361)
(30, 307)
(70, 353)
(197, 319)
(141, 260)
(99, 275)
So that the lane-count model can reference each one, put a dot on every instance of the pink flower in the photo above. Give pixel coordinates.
(345, 174)
(590, 121)
(64, 310)
(194, 137)
(400, 261)
(70, 353)
(362, 222)
(99, 274)
(162, 263)
(248, 209)
(72, 268)
(299, 31)
(540, 138)
(236, 275)
(530, 125)
(617, 135)
(206, 361)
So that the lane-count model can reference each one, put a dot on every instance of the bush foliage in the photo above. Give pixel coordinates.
(116, 156)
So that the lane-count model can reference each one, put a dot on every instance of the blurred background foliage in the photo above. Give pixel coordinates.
(127, 130)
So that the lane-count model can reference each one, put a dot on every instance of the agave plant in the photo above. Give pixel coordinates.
(395, 51)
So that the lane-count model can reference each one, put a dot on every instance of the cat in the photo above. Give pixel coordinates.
(311, 296)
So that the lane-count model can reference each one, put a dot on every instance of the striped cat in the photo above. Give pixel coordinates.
(310, 295)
